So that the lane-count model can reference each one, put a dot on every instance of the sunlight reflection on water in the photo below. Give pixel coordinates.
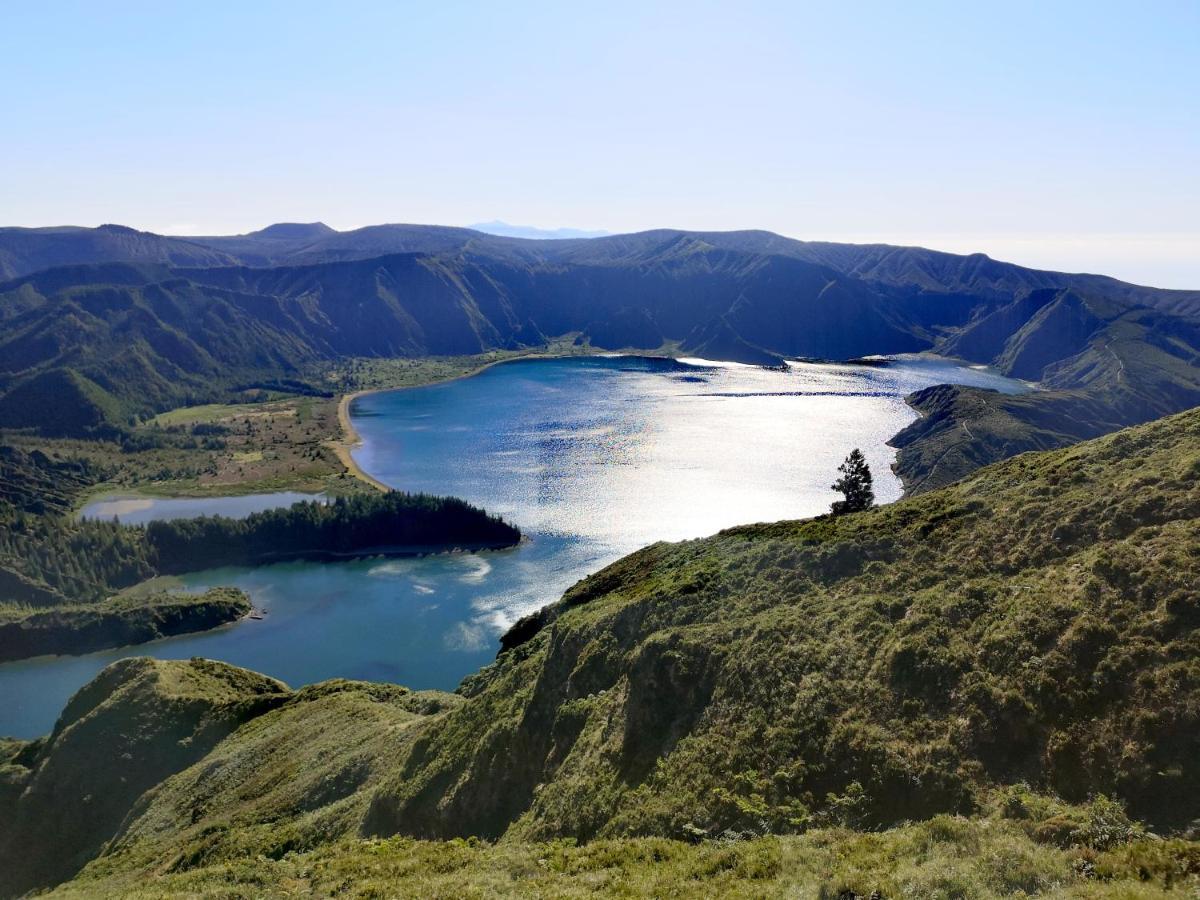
(591, 457)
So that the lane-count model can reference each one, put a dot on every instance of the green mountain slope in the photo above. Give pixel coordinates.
(1102, 365)
(26, 250)
(138, 722)
(191, 335)
(1042, 849)
(1036, 624)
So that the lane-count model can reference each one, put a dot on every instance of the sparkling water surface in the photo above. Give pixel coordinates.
(592, 457)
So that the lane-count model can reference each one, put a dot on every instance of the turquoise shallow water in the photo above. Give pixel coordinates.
(592, 457)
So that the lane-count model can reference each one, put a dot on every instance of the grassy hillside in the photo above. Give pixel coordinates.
(139, 721)
(37, 483)
(1021, 648)
(1036, 622)
(92, 356)
(946, 858)
(307, 755)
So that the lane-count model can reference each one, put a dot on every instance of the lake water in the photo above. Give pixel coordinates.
(591, 457)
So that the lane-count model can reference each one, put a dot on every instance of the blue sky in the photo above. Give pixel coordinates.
(1057, 134)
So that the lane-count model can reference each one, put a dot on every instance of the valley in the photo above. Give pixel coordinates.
(124, 332)
(999, 659)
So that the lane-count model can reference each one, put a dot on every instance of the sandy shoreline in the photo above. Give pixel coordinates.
(350, 439)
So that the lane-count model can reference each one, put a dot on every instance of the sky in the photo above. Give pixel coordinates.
(1060, 134)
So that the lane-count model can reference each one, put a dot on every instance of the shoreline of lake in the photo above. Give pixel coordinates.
(350, 439)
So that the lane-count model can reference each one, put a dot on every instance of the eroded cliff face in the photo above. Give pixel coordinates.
(118, 623)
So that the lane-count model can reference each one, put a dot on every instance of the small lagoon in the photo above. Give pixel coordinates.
(138, 510)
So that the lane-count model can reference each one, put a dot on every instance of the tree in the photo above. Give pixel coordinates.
(855, 484)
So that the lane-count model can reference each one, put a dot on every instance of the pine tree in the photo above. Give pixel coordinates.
(855, 485)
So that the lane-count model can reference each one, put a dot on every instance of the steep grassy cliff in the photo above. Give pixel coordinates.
(138, 722)
(1021, 648)
(1036, 622)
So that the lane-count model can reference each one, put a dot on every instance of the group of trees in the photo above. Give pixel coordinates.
(46, 559)
(345, 527)
(53, 559)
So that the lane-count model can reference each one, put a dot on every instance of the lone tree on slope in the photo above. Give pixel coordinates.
(855, 484)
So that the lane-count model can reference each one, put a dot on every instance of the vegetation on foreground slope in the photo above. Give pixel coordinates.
(137, 722)
(1036, 623)
(948, 857)
(1021, 648)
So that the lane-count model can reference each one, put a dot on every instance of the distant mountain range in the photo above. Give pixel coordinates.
(101, 325)
(503, 229)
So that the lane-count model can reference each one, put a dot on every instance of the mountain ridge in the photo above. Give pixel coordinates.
(880, 262)
(132, 338)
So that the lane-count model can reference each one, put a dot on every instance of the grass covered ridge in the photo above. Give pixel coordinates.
(137, 722)
(1035, 623)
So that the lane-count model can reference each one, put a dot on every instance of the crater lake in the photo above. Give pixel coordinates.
(592, 457)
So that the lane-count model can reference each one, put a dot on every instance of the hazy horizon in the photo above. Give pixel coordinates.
(1062, 137)
(1113, 255)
